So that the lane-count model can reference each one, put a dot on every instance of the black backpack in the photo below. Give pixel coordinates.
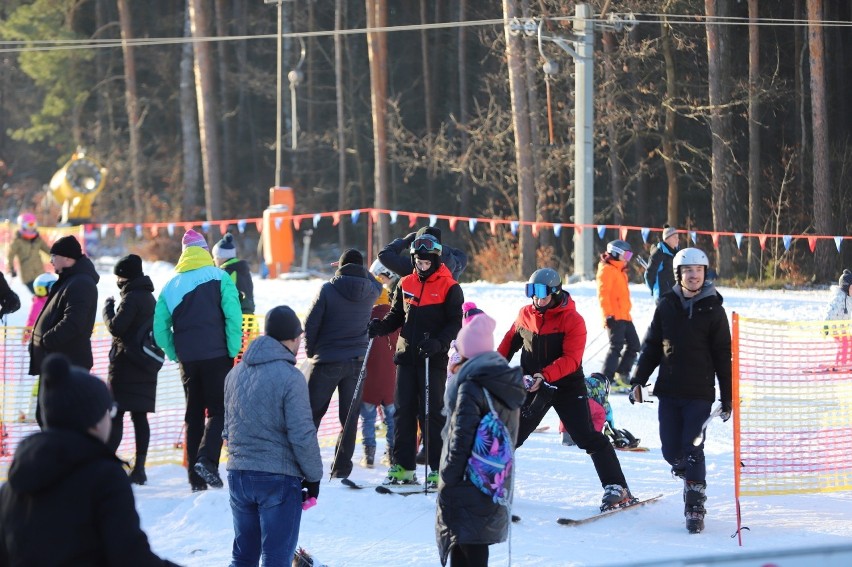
(143, 351)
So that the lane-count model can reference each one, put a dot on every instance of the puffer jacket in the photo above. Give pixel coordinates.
(69, 502)
(660, 274)
(28, 251)
(241, 275)
(268, 422)
(840, 307)
(613, 291)
(689, 339)
(465, 515)
(66, 322)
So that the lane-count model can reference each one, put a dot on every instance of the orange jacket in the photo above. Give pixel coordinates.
(613, 293)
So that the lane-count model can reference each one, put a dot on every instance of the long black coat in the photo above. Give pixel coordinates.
(465, 515)
(69, 502)
(133, 387)
(65, 323)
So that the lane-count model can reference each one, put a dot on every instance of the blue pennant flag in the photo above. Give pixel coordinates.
(645, 232)
(393, 215)
(471, 224)
(355, 216)
(241, 225)
(104, 230)
(693, 236)
(317, 218)
(601, 231)
(138, 231)
(787, 240)
(557, 229)
(513, 226)
(738, 236)
(837, 241)
(432, 220)
(170, 228)
(205, 226)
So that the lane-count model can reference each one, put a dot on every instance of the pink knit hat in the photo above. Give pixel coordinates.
(192, 238)
(477, 336)
(469, 309)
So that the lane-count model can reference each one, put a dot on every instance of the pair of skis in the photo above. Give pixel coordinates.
(400, 489)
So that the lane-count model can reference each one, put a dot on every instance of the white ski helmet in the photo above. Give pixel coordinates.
(689, 257)
(620, 250)
(43, 283)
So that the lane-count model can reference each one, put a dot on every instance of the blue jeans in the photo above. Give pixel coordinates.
(267, 510)
(368, 423)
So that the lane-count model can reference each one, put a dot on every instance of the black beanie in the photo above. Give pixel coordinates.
(129, 267)
(68, 247)
(282, 324)
(431, 230)
(351, 256)
(70, 397)
(845, 280)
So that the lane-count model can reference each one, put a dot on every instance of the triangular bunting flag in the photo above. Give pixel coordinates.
(317, 218)
(693, 236)
(493, 228)
(138, 231)
(104, 230)
(645, 232)
(453, 221)
(762, 240)
(534, 228)
(393, 216)
(335, 219)
(601, 231)
(170, 229)
(812, 240)
(837, 241)
(223, 227)
(117, 230)
(356, 214)
(205, 226)
(623, 232)
(297, 222)
(557, 228)
(578, 228)
(513, 226)
(714, 236)
(738, 236)
(412, 220)
(154, 230)
(241, 225)
(471, 224)
(187, 226)
(433, 219)
(787, 240)
(374, 215)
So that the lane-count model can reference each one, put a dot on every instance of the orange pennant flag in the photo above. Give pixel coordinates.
(374, 214)
(117, 230)
(223, 227)
(335, 219)
(534, 228)
(297, 221)
(493, 227)
(812, 240)
(453, 221)
(623, 232)
(412, 220)
(762, 239)
(154, 229)
(715, 238)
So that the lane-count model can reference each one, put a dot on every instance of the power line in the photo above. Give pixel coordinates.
(23, 46)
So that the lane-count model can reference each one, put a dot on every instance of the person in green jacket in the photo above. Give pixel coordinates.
(27, 247)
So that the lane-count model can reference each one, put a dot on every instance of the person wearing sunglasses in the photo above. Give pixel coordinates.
(614, 297)
(551, 335)
(427, 306)
(397, 257)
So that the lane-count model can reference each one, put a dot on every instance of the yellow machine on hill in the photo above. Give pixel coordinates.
(75, 187)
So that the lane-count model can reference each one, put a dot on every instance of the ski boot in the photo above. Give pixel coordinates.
(566, 439)
(387, 458)
(137, 475)
(694, 496)
(432, 480)
(398, 475)
(208, 471)
(616, 496)
(369, 457)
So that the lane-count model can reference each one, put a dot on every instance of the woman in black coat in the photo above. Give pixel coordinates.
(133, 387)
(468, 520)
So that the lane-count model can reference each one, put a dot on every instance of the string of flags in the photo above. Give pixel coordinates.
(154, 228)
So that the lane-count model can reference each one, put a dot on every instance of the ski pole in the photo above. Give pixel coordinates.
(351, 405)
(426, 430)
(700, 437)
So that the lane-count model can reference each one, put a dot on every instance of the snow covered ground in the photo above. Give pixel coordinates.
(362, 528)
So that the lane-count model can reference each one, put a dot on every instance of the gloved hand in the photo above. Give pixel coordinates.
(635, 395)
(409, 238)
(374, 328)
(429, 347)
(13, 273)
(726, 410)
(310, 489)
(610, 322)
(109, 301)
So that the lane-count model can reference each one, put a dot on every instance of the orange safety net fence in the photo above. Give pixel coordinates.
(18, 401)
(793, 406)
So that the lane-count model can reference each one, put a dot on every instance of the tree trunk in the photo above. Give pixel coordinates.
(428, 102)
(464, 112)
(523, 140)
(189, 128)
(531, 55)
(199, 17)
(753, 139)
(225, 98)
(825, 261)
(341, 122)
(377, 47)
(131, 103)
(723, 187)
(669, 129)
(616, 166)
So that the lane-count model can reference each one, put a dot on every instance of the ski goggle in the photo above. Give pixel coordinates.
(626, 255)
(538, 290)
(426, 243)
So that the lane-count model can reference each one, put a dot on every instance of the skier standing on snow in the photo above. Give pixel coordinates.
(468, 520)
(659, 274)
(840, 309)
(336, 341)
(428, 306)
(689, 339)
(27, 248)
(551, 336)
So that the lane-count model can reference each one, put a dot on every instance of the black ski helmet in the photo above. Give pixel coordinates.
(547, 277)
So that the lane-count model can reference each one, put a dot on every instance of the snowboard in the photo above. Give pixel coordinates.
(599, 515)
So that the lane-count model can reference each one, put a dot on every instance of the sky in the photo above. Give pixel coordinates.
(364, 528)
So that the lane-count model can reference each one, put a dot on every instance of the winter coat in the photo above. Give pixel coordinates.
(241, 275)
(380, 378)
(36, 307)
(551, 342)
(66, 322)
(613, 291)
(660, 274)
(689, 339)
(69, 502)
(27, 250)
(465, 515)
(840, 306)
(397, 258)
(336, 325)
(133, 387)
(268, 421)
(432, 307)
(198, 315)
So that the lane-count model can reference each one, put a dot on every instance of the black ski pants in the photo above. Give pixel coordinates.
(623, 349)
(680, 423)
(469, 555)
(571, 402)
(204, 389)
(409, 403)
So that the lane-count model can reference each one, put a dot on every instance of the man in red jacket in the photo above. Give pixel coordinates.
(551, 336)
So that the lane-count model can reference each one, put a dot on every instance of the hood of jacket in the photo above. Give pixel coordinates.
(193, 258)
(709, 290)
(142, 283)
(491, 372)
(355, 283)
(83, 266)
(44, 459)
(264, 350)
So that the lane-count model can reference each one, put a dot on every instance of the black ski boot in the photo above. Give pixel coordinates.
(694, 496)
(369, 457)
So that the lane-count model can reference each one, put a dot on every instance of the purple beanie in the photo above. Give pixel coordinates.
(477, 336)
(192, 238)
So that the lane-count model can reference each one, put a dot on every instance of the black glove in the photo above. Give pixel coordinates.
(429, 347)
(610, 322)
(409, 238)
(9, 303)
(635, 395)
(726, 410)
(109, 302)
(310, 489)
(374, 328)
(538, 402)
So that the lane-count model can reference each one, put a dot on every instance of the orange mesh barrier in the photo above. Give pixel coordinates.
(18, 402)
(793, 406)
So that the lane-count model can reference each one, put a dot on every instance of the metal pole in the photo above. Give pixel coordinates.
(278, 95)
(584, 166)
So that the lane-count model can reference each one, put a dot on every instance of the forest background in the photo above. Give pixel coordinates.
(711, 115)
